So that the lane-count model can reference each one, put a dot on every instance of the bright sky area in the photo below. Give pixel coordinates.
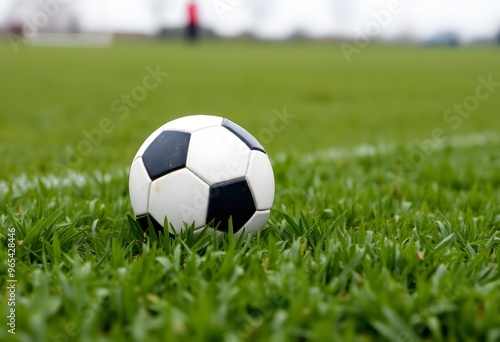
(279, 19)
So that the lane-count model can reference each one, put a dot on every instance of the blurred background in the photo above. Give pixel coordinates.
(349, 73)
(417, 21)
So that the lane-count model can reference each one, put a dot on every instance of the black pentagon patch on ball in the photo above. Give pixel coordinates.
(143, 222)
(242, 133)
(230, 199)
(167, 153)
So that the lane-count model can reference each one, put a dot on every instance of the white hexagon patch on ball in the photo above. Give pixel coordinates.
(202, 170)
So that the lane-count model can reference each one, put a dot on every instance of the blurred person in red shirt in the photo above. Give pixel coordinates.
(192, 29)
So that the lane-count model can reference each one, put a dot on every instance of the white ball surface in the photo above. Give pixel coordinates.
(216, 155)
(202, 170)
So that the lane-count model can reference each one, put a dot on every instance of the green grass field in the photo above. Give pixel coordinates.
(386, 219)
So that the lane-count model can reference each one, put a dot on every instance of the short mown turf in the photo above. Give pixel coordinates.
(376, 233)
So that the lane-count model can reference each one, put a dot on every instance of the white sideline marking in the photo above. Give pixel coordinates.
(23, 183)
(77, 40)
(366, 150)
(74, 179)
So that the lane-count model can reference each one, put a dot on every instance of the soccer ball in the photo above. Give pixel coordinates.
(202, 170)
